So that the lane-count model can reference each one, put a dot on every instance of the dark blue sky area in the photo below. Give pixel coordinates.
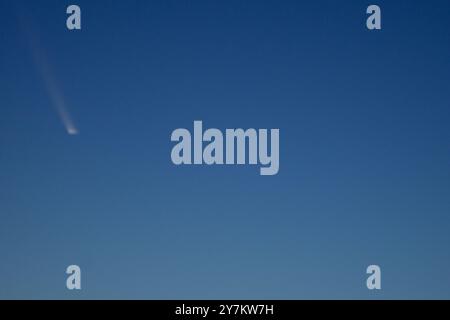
(364, 149)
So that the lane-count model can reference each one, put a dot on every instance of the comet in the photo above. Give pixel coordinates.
(56, 96)
(44, 69)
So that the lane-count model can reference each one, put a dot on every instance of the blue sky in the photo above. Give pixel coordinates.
(364, 150)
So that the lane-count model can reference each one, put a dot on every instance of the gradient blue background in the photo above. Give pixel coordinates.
(364, 136)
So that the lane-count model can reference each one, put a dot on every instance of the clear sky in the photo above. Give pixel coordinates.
(364, 149)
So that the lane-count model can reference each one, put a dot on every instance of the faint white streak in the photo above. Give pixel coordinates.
(53, 90)
(56, 96)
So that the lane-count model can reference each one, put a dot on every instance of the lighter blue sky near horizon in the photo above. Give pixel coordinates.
(364, 150)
